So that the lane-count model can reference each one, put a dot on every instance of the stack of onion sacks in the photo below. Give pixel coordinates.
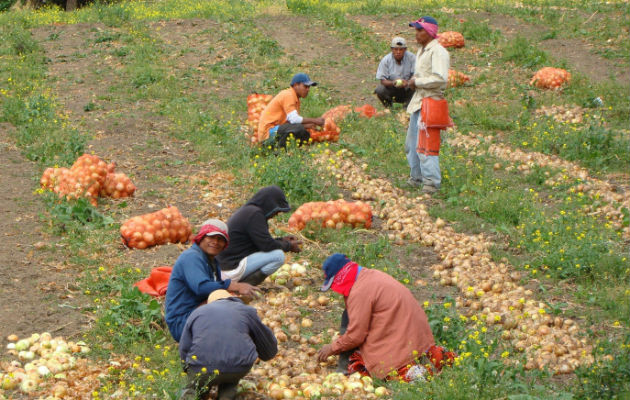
(332, 214)
(256, 103)
(329, 132)
(164, 226)
(550, 78)
(451, 39)
(456, 78)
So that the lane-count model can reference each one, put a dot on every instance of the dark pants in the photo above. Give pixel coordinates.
(344, 357)
(300, 134)
(200, 383)
(389, 95)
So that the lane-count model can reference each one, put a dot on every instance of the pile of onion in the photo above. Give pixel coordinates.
(256, 103)
(451, 39)
(456, 78)
(550, 78)
(332, 214)
(160, 227)
(88, 177)
(329, 132)
(593, 187)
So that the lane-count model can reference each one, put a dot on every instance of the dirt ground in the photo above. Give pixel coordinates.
(39, 290)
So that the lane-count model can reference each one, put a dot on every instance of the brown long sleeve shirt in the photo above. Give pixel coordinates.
(387, 323)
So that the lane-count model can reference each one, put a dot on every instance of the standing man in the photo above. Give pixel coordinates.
(382, 320)
(254, 254)
(196, 274)
(281, 118)
(394, 71)
(429, 80)
(220, 343)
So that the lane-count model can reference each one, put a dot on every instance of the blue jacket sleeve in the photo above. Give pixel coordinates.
(199, 280)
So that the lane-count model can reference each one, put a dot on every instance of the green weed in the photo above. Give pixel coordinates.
(522, 52)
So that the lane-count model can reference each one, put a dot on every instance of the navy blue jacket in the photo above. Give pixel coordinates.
(193, 278)
(225, 335)
(249, 230)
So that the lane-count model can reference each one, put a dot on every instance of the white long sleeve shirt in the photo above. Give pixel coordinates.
(430, 75)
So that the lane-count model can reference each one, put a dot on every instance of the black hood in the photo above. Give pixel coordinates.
(270, 199)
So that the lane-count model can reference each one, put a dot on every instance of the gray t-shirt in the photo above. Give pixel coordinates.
(389, 69)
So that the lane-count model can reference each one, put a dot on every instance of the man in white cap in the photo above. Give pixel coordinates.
(220, 343)
(196, 274)
(394, 72)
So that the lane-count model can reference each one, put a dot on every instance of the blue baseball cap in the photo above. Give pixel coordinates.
(302, 78)
(419, 24)
(331, 266)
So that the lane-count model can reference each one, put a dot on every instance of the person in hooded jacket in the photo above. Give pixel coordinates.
(253, 253)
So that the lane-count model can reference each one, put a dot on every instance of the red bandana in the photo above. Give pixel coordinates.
(211, 229)
(345, 278)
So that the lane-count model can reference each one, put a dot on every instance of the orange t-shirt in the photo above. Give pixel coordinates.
(276, 112)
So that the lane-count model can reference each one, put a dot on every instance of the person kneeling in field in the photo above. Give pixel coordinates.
(220, 343)
(281, 118)
(384, 331)
(254, 254)
(196, 274)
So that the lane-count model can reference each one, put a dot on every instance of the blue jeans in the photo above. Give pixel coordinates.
(266, 262)
(424, 169)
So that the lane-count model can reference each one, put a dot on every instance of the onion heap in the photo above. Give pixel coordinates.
(550, 78)
(333, 214)
(573, 115)
(164, 226)
(256, 103)
(451, 39)
(329, 132)
(456, 78)
(337, 114)
(489, 290)
(88, 177)
(292, 274)
(50, 368)
(593, 187)
(295, 372)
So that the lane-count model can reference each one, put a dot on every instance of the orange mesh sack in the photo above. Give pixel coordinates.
(117, 185)
(329, 132)
(332, 214)
(256, 103)
(338, 113)
(366, 111)
(164, 226)
(550, 78)
(451, 39)
(456, 78)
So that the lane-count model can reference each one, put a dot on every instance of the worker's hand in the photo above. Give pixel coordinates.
(324, 353)
(319, 121)
(242, 288)
(411, 83)
(289, 238)
(295, 244)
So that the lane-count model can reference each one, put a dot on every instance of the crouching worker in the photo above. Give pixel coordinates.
(220, 343)
(281, 118)
(254, 254)
(384, 331)
(196, 274)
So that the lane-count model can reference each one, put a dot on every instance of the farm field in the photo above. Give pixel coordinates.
(520, 260)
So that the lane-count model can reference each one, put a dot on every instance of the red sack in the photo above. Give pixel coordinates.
(366, 110)
(435, 113)
(157, 282)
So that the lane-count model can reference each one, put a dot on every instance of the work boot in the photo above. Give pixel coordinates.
(255, 278)
(414, 182)
(227, 391)
(429, 189)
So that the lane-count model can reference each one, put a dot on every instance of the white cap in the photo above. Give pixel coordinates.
(398, 43)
